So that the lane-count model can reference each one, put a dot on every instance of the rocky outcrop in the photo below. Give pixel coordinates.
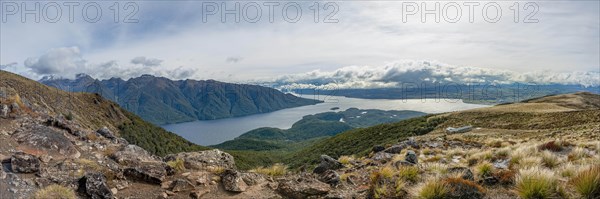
(94, 185)
(330, 177)
(133, 155)
(24, 163)
(396, 149)
(327, 163)
(232, 181)
(302, 187)
(105, 132)
(149, 172)
(411, 157)
(45, 140)
(4, 110)
(201, 160)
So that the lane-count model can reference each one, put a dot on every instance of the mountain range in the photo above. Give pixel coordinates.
(161, 101)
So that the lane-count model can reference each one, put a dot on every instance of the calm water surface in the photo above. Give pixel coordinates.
(210, 132)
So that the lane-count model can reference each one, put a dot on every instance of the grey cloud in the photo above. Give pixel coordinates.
(234, 59)
(146, 61)
(5, 66)
(64, 60)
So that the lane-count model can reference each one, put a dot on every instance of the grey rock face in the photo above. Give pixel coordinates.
(48, 140)
(94, 185)
(133, 155)
(378, 148)
(4, 111)
(232, 181)
(302, 188)
(330, 177)
(24, 163)
(105, 132)
(411, 157)
(201, 160)
(149, 172)
(382, 156)
(396, 149)
(327, 163)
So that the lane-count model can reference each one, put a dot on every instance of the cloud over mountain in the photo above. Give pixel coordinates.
(146, 61)
(394, 74)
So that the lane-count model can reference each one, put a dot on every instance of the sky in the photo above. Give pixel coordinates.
(358, 43)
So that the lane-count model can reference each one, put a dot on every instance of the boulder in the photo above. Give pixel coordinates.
(4, 111)
(197, 194)
(149, 172)
(24, 163)
(411, 157)
(201, 160)
(378, 148)
(132, 155)
(252, 179)
(382, 156)
(232, 181)
(501, 164)
(302, 188)
(327, 163)
(181, 185)
(465, 172)
(14, 107)
(47, 141)
(330, 177)
(411, 142)
(105, 132)
(396, 149)
(402, 163)
(95, 186)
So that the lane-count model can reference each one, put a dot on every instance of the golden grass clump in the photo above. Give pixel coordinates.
(346, 159)
(587, 182)
(549, 159)
(536, 183)
(275, 170)
(55, 192)
(577, 153)
(436, 167)
(528, 162)
(484, 169)
(461, 188)
(178, 165)
(409, 173)
(432, 189)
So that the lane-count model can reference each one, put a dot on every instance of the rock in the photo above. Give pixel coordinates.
(197, 194)
(14, 107)
(149, 172)
(411, 157)
(181, 185)
(24, 163)
(330, 177)
(203, 159)
(132, 155)
(45, 158)
(490, 180)
(396, 149)
(94, 185)
(501, 164)
(412, 142)
(378, 148)
(114, 191)
(302, 188)
(327, 163)
(433, 145)
(402, 163)
(382, 156)
(2, 173)
(467, 174)
(105, 132)
(232, 181)
(4, 111)
(252, 179)
(47, 140)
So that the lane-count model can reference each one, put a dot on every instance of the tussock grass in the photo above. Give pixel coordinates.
(549, 159)
(551, 146)
(435, 167)
(274, 170)
(577, 153)
(387, 172)
(484, 169)
(177, 164)
(529, 162)
(567, 170)
(346, 159)
(432, 189)
(409, 173)
(536, 183)
(55, 192)
(587, 182)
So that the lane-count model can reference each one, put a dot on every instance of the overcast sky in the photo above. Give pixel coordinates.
(171, 39)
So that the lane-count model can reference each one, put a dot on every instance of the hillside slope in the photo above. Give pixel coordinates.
(160, 100)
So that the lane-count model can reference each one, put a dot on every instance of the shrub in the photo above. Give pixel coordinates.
(459, 188)
(433, 189)
(275, 170)
(177, 164)
(536, 183)
(409, 173)
(551, 146)
(587, 182)
(55, 192)
(484, 169)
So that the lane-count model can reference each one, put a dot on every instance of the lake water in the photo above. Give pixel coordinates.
(210, 132)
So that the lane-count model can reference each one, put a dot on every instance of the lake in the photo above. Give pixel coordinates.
(210, 132)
